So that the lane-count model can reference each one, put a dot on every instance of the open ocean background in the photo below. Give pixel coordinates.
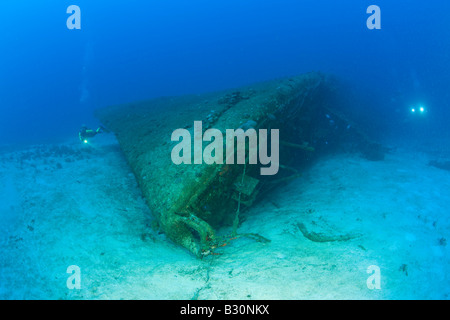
(52, 78)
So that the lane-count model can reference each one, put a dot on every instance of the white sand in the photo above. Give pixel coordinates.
(62, 207)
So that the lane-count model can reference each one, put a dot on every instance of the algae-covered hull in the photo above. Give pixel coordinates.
(192, 201)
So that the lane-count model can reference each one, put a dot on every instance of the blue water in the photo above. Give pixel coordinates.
(52, 78)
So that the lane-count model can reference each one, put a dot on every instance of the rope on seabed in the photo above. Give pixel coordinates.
(321, 237)
(236, 217)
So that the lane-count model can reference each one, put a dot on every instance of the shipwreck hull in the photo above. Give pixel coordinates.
(192, 201)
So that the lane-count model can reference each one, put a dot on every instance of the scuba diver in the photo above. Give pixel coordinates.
(85, 133)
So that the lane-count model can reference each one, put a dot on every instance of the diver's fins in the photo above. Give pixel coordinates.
(103, 129)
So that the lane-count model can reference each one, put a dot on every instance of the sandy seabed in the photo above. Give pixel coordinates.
(72, 204)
